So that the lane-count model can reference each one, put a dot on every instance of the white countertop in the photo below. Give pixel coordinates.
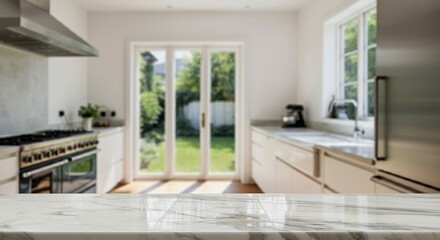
(363, 148)
(219, 217)
(108, 130)
(8, 150)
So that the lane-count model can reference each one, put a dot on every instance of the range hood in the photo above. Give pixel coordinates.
(27, 26)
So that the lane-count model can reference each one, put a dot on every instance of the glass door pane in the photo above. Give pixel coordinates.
(187, 147)
(152, 85)
(222, 108)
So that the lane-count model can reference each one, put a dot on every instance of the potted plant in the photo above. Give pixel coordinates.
(88, 113)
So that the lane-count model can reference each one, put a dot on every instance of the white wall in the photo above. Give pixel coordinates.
(269, 40)
(310, 59)
(68, 76)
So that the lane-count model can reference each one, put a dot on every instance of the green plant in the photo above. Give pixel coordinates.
(150, 109)
(89, 111)
(148, 152)
(184, 128)
(223, 131)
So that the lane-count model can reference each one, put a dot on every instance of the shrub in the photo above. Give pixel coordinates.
(184, 128)
(148, 152)
(223, 131)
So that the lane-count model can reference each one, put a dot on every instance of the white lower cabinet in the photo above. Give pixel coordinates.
(9, 174)
(110, 161)
(383, 189)
(10, 187)
(347, 178)
(263, 162)
(284, 178)
(290, 180)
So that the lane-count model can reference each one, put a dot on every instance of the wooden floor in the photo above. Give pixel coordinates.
(187, 187)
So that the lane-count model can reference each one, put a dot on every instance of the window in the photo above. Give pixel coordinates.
(357, 62)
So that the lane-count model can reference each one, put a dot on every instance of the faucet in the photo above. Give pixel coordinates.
(358, 131)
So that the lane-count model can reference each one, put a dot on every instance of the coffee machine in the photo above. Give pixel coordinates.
(294, 117)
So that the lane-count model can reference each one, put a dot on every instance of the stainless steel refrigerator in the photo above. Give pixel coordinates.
(408, 94)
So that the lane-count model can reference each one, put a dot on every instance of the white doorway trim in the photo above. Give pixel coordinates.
(133, 108)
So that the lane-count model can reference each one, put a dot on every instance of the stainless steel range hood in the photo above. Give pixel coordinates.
(29, 27)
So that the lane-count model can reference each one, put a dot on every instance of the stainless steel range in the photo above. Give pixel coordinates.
(56, 161)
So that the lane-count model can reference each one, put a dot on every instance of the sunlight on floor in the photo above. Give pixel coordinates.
(187, 187)
(213, 187)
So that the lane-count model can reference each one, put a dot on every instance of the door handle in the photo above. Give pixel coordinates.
(380, 118)
(44, 169)
(203, 120)
(84, 155)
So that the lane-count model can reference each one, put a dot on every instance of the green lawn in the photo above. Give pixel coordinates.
(188, 156)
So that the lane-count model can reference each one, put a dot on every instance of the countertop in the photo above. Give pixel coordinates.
(310, 138)
(199, 217)
(108, 130)
(8, 150)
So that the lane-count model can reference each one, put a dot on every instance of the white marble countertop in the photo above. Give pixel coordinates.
(8, 150)
(132, 217)
(363, 148)
(108, 130)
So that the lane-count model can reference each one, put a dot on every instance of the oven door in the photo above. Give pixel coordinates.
(79, 175)
(43, 179)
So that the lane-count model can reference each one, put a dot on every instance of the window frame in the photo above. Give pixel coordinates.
(362, 66)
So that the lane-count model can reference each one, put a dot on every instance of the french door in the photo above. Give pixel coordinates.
(186, 108)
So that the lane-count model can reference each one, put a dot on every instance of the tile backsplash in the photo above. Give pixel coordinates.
(23, 91)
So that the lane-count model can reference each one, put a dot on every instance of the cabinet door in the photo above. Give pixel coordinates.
(119, 171)
(106, 180)
(9, 188)
(110, 162)
(284, 178)
(257, 173)
(8, 168)
(383, 189)
(290, 180)
(111, 150)
(269, 170)
(303, 184)
(297, 157)
(264, 169)
(347, 178)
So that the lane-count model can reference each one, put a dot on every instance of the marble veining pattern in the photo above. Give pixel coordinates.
(193, 217)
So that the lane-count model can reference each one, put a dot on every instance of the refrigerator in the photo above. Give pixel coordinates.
(407, 121)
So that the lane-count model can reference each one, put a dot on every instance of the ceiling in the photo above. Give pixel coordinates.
(191, 5)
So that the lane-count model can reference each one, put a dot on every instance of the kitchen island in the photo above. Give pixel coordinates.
(270, 216)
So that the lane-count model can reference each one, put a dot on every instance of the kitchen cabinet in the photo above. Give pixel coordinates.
(9, 174)
(344, 176)
(282, 168)
(110, 160)
(299, 157)
(382, 189)
(263, 161)
(292, 180)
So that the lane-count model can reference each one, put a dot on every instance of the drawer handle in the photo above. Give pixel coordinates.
(392, 185)
(298, 170)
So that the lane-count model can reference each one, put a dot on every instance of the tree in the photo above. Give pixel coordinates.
(222, 78)
(152, 95)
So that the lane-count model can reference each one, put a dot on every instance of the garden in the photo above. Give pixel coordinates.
(187, 134)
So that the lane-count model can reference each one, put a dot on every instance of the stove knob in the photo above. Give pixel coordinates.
(46, 154)
(27, 159)
(38, 156)
(69, 148)
(62, 150)
(75, 146)
(54, 152)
